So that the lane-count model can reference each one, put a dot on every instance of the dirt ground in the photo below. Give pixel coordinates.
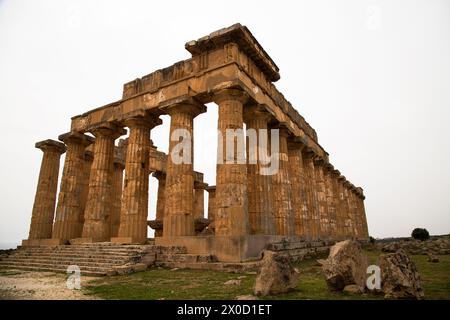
(26, 285)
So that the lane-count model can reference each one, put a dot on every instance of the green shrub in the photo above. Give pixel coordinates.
(420, 234)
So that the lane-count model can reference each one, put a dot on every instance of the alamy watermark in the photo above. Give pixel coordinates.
(236, 147)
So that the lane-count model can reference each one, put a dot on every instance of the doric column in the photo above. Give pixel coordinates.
(321, 198)
(340, 219)
(44, 201)
(259, 186)
(312, 203)
(299, 197)
(331, 206)
(70, 205)
(282, 192)
(356, 214)
(134, 209)
(345, 208)
(199, 199)
(98, 205)
(362, 210)
(179, 195)
(117, 190)
(231, 174)
(160, 201)
(88, 159)
(351, 223)
(211, 203)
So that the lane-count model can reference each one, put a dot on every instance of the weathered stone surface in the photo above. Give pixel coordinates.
(276, 275)
(346, 265)
(353, 289)
(399, 276)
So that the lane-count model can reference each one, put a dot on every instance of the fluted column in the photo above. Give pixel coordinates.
(117, 190)
(134, 208)
(331, 206)
(321, 199)
(98, 205)
(312, 203)
(160, 201)
(231, 175)
(340, 220)
(351, 223)
(70, 205)
(282, 192)
(44, 201)
(88, 159)
(362, 211)
(259, 186)
(199, 199)
(211, 203)
(345, 208)
(179, 195)
(298, 182)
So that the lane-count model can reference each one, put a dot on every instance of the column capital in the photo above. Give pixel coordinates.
(189, 105)
(296, 143)
(51, 145)
(146, 121)
(336, 173)
(319, 161)
(256, 112)
(230, 94)
(77, 138)
(211, 189)
(108, 130)
(328, 168)
(119, 163)
(309, 153)
(159, 175)
(200, 185)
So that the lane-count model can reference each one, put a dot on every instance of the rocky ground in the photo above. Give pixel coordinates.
(26, 285)
(435, 245)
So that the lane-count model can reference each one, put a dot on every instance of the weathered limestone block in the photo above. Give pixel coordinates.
(346, 265)
(282, 192)
(134, 209)
(45, 199)
(276, 275)
(259, 186)
(67, 223)
(231, 177)
(98, 205)
(179, 196)
(297, 176)
(399, 277)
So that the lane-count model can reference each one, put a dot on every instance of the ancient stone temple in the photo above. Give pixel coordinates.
(104, 188)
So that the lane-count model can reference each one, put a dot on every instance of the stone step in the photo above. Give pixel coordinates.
(215, 266)
(74, 260)
(85, 270)
(186, 258)
(296, 245)
(62, 263)
(76, 253)
(53, 269)
(109, 249)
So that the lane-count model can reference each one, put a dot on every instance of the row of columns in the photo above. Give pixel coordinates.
(97, 201)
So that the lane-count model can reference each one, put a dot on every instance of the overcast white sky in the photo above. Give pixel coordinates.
(372, 77)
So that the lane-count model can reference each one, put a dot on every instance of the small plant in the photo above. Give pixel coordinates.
(372, 240)
(420, 234)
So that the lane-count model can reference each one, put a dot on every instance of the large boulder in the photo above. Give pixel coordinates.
(346, 265)
(276, 275)
(399, 277)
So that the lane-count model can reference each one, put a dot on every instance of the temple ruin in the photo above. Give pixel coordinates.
(104, 189)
